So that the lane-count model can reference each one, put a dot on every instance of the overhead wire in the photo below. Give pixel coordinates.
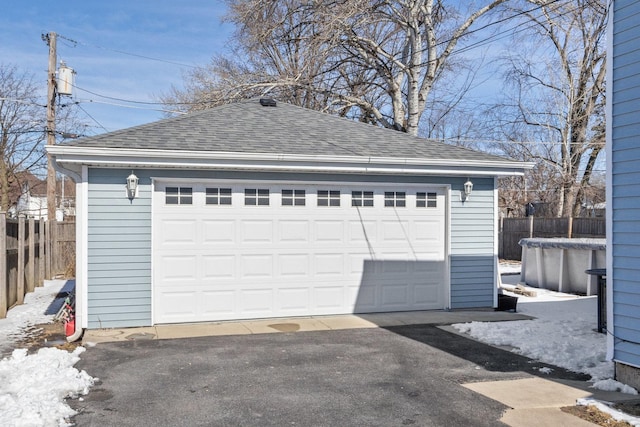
(492, 38)
(458, 51)
(128, 53)
(92, 118)
(162, 110)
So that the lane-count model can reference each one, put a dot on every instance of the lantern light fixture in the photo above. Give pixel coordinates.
(132, 186)
(466, 193)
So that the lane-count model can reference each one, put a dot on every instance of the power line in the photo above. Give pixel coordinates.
(117, 99)
(22, 101)
(502, 34)
(92, 118)
(129, 53)
(90, 101)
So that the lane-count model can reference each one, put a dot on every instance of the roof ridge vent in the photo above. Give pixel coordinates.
(267, 102)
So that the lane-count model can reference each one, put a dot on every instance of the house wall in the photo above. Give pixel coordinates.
(119, 251)
(119, 240)
(623, 269)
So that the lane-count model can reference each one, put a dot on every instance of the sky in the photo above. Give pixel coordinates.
(128, 50)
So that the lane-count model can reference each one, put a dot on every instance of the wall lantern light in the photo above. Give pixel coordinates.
(132, 186)
(466, 193)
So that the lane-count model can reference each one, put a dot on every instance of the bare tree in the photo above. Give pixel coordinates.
(372, 60)
(21, 130)
(556, 106)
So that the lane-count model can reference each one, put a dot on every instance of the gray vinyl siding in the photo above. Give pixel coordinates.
(119, 251)
(472, 246)
(119, 239)
(624, 237)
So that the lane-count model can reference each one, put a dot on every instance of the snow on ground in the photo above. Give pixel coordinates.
(33, 386)
(39, 307)
(563, 333)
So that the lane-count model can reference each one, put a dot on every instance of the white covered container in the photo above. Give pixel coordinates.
(66, 80)
(560, 264)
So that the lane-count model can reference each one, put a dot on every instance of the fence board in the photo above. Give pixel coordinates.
(29, 255)
(513, 229)
(21, 259)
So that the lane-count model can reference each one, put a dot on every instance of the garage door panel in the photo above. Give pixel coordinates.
(218, 304)
(219, 266)
(329, 231)
(360, 264)
(256, 301)
(179, 268)
(294, 265)
(179, 232)
(362, 231)
(329, 264)
(395, 231)
(293, 231)
(428, 268)
(178, 305)
(427, 294)
(394, 296)
(216, 232)
(293, 300)
(257, 231)
(364, 298)
(256, 266)
(328, 298)
(393, 267)
(428, 231)
(241, 262)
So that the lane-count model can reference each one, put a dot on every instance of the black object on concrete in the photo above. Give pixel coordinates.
(507, 303)
(601, 273)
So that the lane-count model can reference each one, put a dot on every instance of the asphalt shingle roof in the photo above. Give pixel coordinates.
(249, 127)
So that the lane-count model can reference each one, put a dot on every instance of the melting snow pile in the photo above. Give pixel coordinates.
(37, 308)
(33, 387)
(562, 333)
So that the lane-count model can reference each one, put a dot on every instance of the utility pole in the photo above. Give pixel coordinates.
(50, 39)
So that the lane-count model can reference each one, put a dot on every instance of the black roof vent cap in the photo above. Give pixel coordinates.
(267, 102)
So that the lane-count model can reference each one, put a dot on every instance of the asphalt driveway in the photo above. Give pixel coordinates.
(406, 375)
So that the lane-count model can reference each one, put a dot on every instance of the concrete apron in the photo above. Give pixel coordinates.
(536, 402)
(297, 324)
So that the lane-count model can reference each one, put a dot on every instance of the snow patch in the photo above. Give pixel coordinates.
(615, 414)
(563, 333)
(33, 387)
(21, 319)
(613, 385)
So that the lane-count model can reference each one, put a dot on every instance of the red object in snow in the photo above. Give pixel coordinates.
(70, 327)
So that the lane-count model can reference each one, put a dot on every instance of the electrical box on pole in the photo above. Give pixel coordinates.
(65, 80)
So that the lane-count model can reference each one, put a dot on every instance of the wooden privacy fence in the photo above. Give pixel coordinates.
(511, 230)
(30, 252)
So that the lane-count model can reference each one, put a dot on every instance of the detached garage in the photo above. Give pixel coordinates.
(261, 209)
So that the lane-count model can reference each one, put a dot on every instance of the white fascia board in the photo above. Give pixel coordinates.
(73, 157)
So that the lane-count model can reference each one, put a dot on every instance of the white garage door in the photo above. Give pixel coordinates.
(225, 250)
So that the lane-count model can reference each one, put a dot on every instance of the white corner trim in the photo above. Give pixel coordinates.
(609, 187)
(82, 193)
(447, 247)
(496, 243)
